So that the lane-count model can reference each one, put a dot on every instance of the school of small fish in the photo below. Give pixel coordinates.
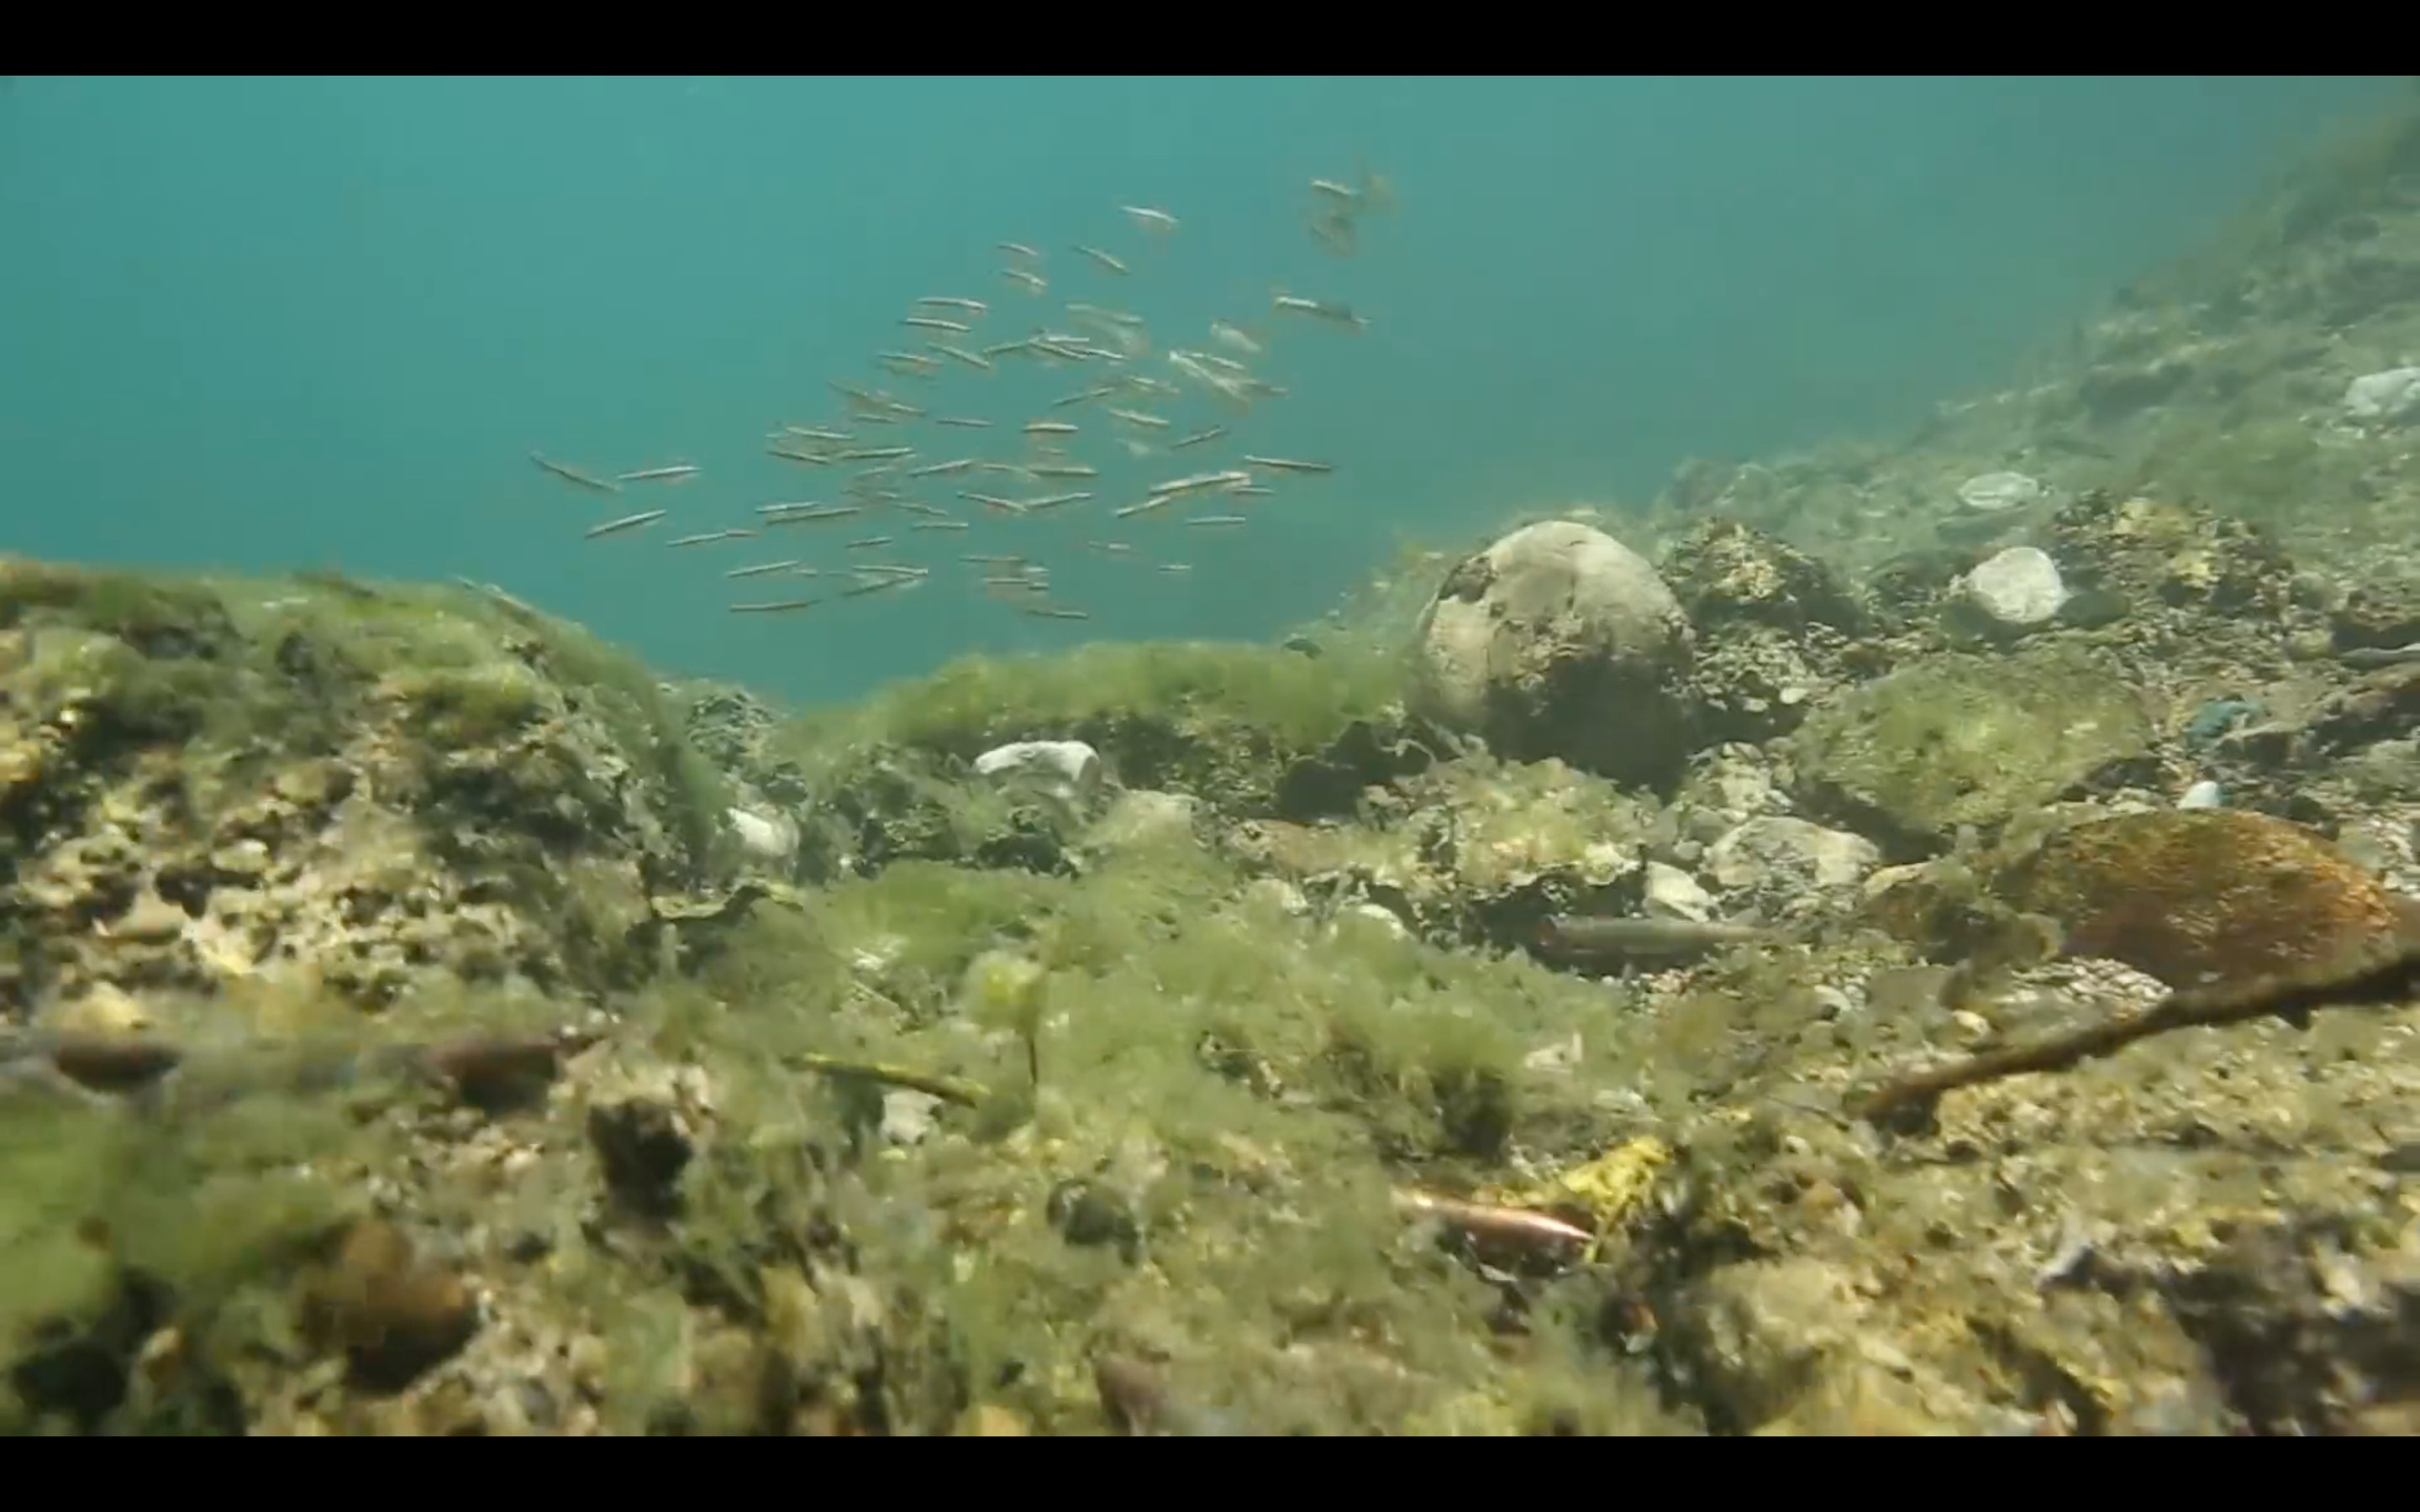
(1145, 434)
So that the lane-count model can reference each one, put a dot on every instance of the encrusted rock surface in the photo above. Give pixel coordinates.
(1560, 641)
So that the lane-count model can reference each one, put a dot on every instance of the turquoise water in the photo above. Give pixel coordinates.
(322, 322)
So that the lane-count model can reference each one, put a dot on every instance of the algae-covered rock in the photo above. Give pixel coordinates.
(1247, 730)
(2201, 895)
(1475, 851)
(1781, 860)
(1957, 740)
(1775, 629)
(2383, 611)
(1068, 1122)
(1560, 641)
(1724, 571)
(361, 786)
(2161, 551)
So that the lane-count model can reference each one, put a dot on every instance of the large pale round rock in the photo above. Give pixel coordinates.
(1560, 641)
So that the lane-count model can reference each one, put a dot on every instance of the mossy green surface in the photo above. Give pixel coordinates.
(1226, 1097)
(1219, 719)
(112, 1228)
(1969, 740)
(1203, 1106)
(249, 669)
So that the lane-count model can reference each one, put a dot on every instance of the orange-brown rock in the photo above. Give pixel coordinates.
(392, 1311)
(2201, 895)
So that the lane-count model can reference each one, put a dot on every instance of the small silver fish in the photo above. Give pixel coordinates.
(1326, 310)
(1197, 483)
(573, 475)
(1233, 337)
(812, 513)
(627, 523)
(959, 354)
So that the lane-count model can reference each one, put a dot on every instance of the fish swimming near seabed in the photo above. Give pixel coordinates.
(1593, 940)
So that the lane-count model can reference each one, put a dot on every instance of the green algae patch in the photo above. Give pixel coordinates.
(116, 1234)
(1956, 740)
(286, 663)
(1225, 721)
(1205, 1110)
(232, 775)
(1179, 1211)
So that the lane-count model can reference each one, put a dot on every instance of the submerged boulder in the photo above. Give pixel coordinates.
(1958, 740)
(354, 787)
(2197, 895)
(1558, 642)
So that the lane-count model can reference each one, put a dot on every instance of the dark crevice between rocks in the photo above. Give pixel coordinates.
(83, 1373)
(2294, 1353)
(1331, 783)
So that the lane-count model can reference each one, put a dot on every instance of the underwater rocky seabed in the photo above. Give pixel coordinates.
(422, 1019)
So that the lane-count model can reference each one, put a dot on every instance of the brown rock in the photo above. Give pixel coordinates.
(2195, 896)
(113, 1062)
(392, 1312)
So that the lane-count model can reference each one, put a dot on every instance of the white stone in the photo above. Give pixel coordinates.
(771, 838)
(2016, 589)
(1672, 893)
(2202, 795)
(1778, 845)
(2388, 396)
(1989, 492)
(907, 1116)
(1558, 1058)
(1602, 860)
(1279, 894)
(1378, 914)
(1737, 781)
(1070, 767)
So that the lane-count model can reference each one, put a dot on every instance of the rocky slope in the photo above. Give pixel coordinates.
(1948, 990)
